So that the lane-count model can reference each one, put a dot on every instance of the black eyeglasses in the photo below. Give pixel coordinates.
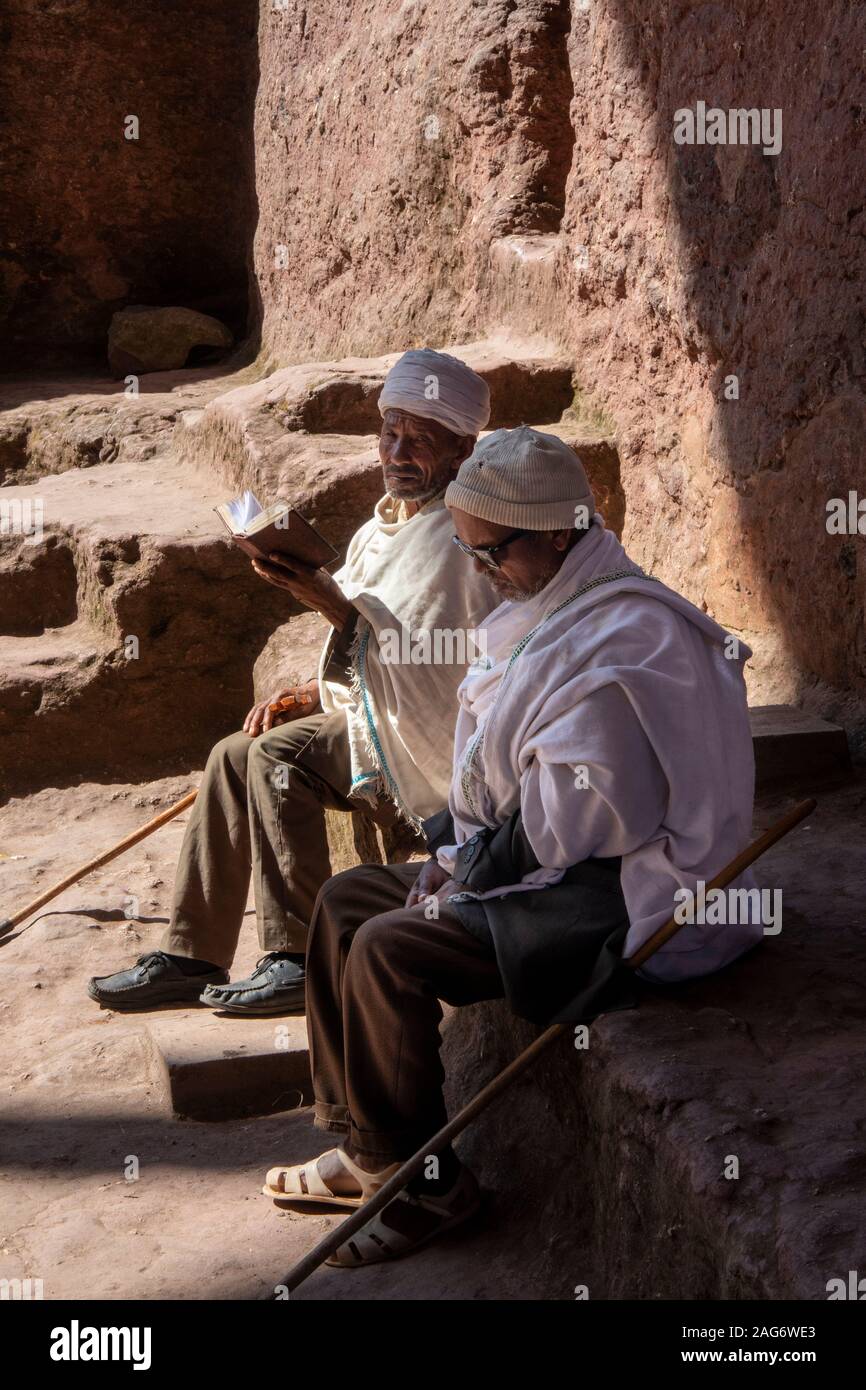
(486, 553)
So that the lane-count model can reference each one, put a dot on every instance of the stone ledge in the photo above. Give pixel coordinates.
(796, 750)
(219, 1067)
(621, 1149)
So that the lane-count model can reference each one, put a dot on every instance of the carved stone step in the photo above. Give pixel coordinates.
(795, 751)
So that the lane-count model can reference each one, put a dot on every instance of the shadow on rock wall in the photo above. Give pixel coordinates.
(754, 290)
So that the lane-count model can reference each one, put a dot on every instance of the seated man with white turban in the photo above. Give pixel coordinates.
(602, 764)
(381, 734)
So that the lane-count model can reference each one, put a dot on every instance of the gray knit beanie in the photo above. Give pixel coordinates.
(525, 479)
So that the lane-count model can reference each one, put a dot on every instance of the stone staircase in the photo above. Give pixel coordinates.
(131, 630)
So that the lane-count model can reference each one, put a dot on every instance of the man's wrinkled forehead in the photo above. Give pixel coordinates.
(415, 425)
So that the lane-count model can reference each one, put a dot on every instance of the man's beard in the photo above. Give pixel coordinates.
(412, 490)
(513, 593)
(401, 494)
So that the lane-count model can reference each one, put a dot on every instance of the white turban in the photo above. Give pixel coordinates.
(439, 387)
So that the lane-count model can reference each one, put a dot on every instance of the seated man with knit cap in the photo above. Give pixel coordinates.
(370, 731)
(602, 762)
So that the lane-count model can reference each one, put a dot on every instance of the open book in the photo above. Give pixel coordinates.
(280, 527)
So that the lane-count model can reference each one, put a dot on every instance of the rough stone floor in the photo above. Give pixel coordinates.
(81, 1093)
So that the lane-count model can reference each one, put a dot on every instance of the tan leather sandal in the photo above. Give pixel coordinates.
(304, 1182)
(407, 1223)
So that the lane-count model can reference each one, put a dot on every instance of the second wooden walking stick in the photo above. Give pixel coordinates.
(120, 848)
(346, 1229)
(7, 923)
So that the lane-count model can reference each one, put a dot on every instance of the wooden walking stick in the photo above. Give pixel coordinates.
(346, 1229)
(119, 848)
(7, 924)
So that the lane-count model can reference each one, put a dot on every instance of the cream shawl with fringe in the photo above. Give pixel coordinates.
(420, 600)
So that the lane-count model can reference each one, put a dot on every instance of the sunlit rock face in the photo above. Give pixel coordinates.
(663, 200)
(432, 172)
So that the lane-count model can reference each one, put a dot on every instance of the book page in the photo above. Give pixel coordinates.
(242, 510)
(279, 515)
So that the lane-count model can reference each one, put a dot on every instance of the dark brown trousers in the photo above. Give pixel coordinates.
(376, 971)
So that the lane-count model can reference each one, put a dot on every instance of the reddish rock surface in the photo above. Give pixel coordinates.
(501, 175)
(132, 552)
(94, 221)
(441, 172)
(602, 1167)
(438, 171)
(156, 340)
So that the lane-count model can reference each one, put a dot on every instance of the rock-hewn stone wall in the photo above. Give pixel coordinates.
(448, 170)
(93, 221)
(430, 172)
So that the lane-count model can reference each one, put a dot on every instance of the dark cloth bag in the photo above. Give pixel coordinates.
(559, 949)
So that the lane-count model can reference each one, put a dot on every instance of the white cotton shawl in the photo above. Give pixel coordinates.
(409, 583)
(631, 683)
